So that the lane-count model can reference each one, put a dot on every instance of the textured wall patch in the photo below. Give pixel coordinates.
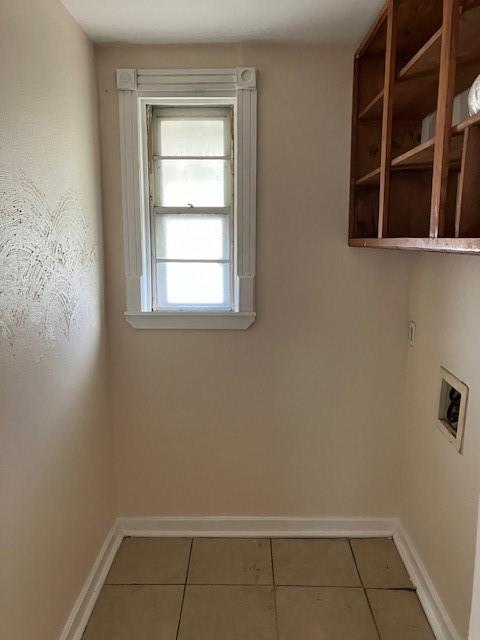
(46, 256)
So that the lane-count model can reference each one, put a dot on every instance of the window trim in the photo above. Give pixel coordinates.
(181, 87)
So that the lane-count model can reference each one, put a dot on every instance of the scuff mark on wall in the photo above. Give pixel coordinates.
(45, 257)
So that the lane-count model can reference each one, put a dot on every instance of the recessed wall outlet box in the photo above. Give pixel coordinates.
(452, 408)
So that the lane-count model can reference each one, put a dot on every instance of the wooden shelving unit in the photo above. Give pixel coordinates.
(415, 179)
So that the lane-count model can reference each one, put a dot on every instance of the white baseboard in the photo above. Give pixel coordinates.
(83, 607)
(200, 526)
(434, 608)
(246, 526)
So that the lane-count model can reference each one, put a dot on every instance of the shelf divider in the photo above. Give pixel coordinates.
(387, 119)
(446, 91)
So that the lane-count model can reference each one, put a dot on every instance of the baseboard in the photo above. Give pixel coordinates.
(434, 608)
(83, 607)
(246, 526)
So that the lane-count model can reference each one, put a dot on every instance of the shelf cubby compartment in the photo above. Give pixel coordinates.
(410, 198)
(463, 185)
(367, 131)
(373, 110)
(367, 148)
(416, 23)
(425, 61)
(365, 205)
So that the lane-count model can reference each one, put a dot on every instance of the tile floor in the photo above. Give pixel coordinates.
(257, 589)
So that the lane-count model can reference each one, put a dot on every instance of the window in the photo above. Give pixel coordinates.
(191, 187)
(188, 152)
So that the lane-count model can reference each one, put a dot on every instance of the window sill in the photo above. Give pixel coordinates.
(190, 320)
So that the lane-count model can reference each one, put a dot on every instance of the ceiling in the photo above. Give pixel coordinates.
(340, 22)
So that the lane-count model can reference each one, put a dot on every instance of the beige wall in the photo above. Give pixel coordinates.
(56, 494)
(299, 415)
(440, 487)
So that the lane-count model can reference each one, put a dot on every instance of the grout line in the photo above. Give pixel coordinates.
(256, 584)
(355, 562)
(144, 584)
(411, 589)
(184, 589)
(277, 632)
(271, 561)
(364, 590)
(318, 586)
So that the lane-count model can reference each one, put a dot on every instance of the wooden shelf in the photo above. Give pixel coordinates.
(374, 109)
(448, 245)
(470, 122)
(421, 156)
(426, 60)
(418, 156)
(369, 179)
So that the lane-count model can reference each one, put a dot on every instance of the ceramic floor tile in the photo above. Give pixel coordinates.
(379, 564)
(150, 561)
(324, 613)
(230, 561)
(136, 612)
(399, 615)
(228, 613)
(321, 562)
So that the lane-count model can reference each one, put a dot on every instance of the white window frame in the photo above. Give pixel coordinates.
(184, 87)
(226, 211)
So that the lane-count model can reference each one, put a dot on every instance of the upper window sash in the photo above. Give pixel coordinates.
(222, 155)
(183, 88)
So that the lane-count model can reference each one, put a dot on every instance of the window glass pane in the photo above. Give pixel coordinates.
(200, 183)
(193, 284)
(195, 137)
(192, 236)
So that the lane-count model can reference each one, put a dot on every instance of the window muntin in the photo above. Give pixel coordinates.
(192, 194)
